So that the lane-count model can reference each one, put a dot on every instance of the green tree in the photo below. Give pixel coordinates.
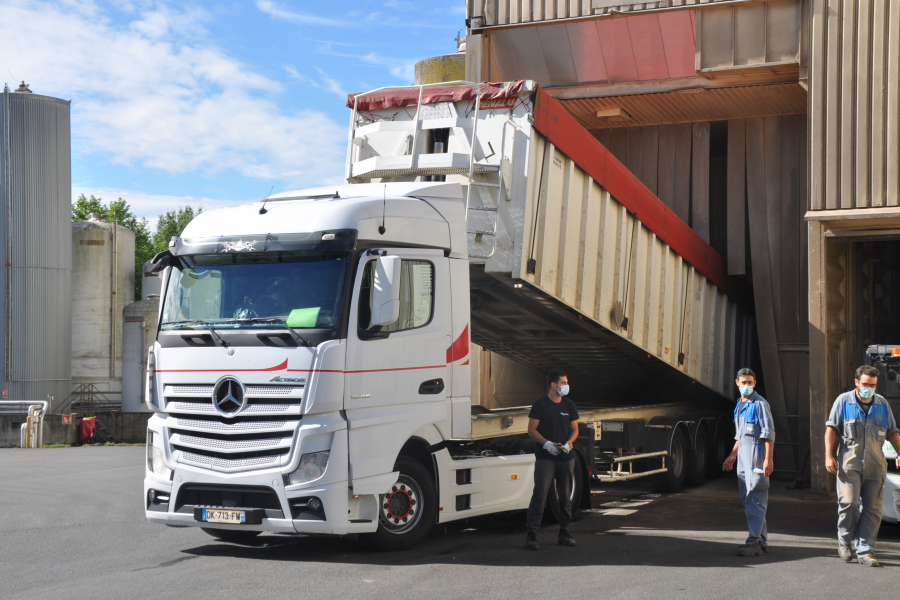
(119, 211)
(146, 245)
(171, 223)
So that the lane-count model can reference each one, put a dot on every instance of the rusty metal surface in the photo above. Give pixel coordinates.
(642, 47)
(691, 105)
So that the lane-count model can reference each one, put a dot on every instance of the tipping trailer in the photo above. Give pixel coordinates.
(312, 369)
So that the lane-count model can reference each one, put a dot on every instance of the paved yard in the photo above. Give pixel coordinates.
(72, 526)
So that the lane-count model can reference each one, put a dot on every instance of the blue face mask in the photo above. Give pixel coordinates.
(746, 390)
(563, 390)
(866, 393)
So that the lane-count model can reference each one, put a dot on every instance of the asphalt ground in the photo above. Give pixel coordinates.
(72, 526)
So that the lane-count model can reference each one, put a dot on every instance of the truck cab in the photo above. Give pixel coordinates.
(312, 353)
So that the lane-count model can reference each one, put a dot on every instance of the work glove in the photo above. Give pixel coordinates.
(551, 448)
(566, 447)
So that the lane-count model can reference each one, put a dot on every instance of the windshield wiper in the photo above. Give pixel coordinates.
(300, 341)
(206, 324)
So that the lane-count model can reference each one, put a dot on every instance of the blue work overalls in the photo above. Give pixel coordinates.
(753, 425)
(861, 467)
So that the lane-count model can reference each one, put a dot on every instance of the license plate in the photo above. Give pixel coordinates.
(224, 516)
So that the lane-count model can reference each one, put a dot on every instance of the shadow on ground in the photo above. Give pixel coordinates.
(699, 528)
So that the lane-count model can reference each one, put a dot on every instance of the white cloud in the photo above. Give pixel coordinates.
(150, 206)
(282, 14)
(325, 83)
(155, 93)
(404, 68)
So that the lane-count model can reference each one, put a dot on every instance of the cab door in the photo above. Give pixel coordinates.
(396, 375)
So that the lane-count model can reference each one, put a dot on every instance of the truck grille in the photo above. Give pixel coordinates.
(259, 437)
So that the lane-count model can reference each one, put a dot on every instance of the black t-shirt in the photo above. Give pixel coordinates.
(555, 424)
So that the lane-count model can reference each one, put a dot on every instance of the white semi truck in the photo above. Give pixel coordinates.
(312, 369)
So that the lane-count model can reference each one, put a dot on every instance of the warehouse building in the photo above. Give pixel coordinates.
(771, 128)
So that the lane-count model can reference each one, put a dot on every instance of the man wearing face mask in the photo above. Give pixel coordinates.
(753, 450)
(865, 420)
(553, 424)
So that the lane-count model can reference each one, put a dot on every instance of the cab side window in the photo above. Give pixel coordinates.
(416, 297)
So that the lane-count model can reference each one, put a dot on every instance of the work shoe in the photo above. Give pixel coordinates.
(750, 550)
(869, 560)
(765, 549)
(845, 553)
(531, 541)
(565, 539)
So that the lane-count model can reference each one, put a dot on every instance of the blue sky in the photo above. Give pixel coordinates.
(211, 103)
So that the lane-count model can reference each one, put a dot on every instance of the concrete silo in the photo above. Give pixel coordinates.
(35, 246)
(102, 286)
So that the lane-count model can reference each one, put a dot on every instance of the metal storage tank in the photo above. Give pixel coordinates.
(35, 243)
(140, 321)
(139, 332)
(152, 283)
(102, 286)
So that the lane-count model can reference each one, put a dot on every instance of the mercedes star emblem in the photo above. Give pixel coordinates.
(228, 396)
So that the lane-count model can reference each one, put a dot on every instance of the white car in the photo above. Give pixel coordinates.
(890, 510)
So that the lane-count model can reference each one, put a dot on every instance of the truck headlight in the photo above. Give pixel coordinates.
(155, 459)
(312, 466)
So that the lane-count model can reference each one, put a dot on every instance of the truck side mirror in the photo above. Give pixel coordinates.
(386, 291)
(161, 261)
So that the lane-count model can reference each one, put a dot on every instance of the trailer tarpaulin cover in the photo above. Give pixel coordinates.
(391, 98)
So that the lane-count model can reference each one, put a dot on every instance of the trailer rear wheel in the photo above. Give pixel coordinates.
(233, 536)
(553, 497)
(698, 459)
(718, 454)
(673, 479)
(406, 513)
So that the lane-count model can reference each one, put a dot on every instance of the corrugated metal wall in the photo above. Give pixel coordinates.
(487, 13)
(752, 34)
(36, 250)
(594, 256)
(854, 88)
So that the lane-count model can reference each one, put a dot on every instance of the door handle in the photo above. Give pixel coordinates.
(432, 386)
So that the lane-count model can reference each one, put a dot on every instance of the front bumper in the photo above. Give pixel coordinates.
(338, 514)
(334, 498)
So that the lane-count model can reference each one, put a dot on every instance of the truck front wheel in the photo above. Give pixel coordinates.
(406, 514)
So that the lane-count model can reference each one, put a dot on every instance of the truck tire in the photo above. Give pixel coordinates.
(718, 453)
(407, 512)
(698, 458)
(232, 536)
(551, 513)
(676, 462)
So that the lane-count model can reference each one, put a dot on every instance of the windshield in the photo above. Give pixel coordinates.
(300, 289)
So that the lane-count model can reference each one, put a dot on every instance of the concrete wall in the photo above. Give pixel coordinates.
(125, 427)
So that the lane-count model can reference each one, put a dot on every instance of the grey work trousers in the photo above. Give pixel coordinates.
(859, 528)
(545, 471)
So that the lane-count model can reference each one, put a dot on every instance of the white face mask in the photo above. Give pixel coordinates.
(563, 390)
